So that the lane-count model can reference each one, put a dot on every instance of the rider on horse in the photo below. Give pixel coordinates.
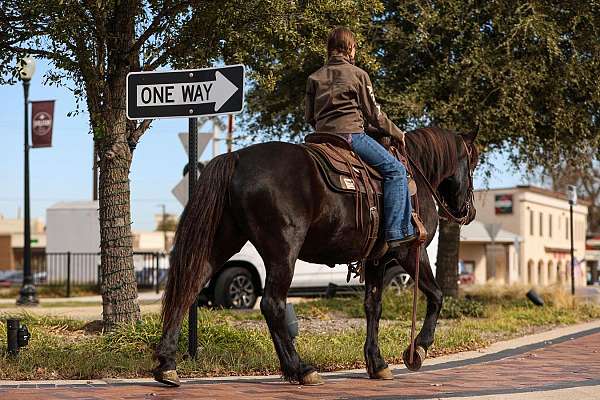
(340, 101)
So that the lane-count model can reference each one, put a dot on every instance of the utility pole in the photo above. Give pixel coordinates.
(230, 133)
(164, 225)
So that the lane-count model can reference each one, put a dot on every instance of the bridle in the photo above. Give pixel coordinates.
(465, 211)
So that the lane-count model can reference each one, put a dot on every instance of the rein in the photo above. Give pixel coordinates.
(459, 220)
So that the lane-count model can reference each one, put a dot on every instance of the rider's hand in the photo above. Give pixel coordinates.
(400, 138)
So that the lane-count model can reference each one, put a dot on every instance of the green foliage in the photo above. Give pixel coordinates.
(458, 308)
(275, 105)
(522, 73)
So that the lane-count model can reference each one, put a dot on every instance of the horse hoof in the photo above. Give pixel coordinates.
(384, 374)
(418, 357)
(168, 377)
(312, 379)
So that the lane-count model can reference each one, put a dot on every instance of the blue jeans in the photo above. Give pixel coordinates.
(396, 201)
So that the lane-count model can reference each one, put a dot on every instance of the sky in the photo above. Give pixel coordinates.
(64, 171)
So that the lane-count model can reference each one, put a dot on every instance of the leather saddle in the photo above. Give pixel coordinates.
(341, 168)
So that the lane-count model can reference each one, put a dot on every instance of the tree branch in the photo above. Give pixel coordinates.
(48, 54)
(136, 134)
(155, 24)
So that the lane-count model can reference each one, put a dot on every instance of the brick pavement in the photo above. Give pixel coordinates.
(566, 362)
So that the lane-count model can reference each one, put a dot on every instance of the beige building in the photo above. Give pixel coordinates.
(487, 252)
(540, 219)
(11, 241)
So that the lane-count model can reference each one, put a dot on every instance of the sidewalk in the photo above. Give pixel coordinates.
(80, 308)
(560, 363)
(143, 296)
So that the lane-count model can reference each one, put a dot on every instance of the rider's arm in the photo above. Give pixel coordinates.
(372, 111)
(309, 104)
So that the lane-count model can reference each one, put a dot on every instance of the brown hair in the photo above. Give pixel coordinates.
(342, 40)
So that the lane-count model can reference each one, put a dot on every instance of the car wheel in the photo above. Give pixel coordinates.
(235, 288)
(397, 280)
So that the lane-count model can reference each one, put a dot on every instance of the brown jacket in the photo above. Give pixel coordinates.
(339, 98)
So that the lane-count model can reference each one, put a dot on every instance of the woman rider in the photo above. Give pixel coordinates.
(340, 101)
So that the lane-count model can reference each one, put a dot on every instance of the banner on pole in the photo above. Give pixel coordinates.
(42, 119)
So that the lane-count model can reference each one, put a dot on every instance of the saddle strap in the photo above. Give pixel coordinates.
(372, 202)
(353, 175)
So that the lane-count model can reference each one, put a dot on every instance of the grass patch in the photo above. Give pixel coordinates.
(232, 343)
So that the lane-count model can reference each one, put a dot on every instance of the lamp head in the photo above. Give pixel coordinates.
(572, 194)
(26, 68)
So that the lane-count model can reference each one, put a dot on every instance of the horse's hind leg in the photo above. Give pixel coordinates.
(376, 366)
(228, 241)
(280, 270)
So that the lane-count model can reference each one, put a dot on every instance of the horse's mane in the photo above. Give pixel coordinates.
(434, 150)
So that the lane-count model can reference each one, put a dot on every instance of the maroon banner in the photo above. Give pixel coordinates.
(42, 119)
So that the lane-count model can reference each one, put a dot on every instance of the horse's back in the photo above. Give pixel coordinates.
(277, 185)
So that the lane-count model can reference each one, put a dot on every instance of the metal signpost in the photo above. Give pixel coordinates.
(186, 94)
(572, 195)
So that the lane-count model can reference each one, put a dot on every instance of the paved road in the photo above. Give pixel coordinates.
(564, 367)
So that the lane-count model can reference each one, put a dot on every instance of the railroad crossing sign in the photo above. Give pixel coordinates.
(181, 190)
(185, 93)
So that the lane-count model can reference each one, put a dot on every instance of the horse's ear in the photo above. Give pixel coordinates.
(471, 136)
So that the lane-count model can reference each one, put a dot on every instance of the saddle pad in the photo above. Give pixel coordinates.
(336, 173)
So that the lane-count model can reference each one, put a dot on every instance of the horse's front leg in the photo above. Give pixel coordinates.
(376, 366)
(433, 294)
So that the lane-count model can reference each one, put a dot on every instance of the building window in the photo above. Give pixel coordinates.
(531, 222)
(541, 224)
(550, 225)
(567, 227)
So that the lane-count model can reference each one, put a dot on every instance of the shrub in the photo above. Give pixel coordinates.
(462, 307)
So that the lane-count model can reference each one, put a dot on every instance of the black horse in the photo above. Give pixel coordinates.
(273, 195)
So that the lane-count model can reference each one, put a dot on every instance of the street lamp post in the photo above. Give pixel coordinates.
(572, 195)
(27, 294)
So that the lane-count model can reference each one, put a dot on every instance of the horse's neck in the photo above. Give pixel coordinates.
(434, 169)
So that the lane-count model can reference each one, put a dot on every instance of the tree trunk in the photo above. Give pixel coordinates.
(119, 287)
(447, 258)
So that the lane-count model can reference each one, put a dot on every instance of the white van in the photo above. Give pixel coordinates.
(242, 279)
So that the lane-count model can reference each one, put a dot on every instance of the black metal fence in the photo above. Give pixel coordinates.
(83, 269)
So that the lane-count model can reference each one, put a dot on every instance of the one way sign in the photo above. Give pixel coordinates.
(185, 93)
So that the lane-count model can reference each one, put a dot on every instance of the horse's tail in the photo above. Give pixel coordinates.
(194, 239)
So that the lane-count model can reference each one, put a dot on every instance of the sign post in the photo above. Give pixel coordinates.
(193, 177)
(186, 94)
(572, 195)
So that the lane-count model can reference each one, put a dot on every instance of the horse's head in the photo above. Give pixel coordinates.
(456, 190)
